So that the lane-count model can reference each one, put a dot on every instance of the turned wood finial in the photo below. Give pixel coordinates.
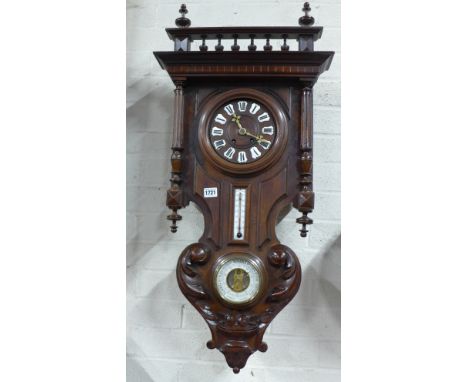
(252, 47)
(183, 22)
(236, 46)
(203, 47)
(285, 46)
(268, 46)
(219, 47)
(306, 20)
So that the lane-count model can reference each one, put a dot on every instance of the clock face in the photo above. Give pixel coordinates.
(237, 280)
(242, 131)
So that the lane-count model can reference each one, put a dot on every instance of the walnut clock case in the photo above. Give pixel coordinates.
(242, 152)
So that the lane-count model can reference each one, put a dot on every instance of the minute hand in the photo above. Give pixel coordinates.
(243, 131)
(259, 138)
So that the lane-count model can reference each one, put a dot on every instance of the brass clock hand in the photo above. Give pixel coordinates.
(259, 138)
(243, 131)
(236, 119)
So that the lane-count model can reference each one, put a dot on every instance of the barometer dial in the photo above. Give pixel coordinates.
(238, 279)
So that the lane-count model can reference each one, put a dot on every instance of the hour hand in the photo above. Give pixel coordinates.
(236, 119)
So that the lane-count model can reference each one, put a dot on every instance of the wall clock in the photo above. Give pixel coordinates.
(242, 153)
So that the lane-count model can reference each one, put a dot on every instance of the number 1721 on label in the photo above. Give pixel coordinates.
(210, 192)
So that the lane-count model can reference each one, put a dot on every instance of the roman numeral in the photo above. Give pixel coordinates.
(229, 153)
(216, 131)
(218, 144)
(255, 152)
(269, 130)
(220, 119)
(242, 105)
(265, 144)
(264, 117)
(229, 109)
(242, 157)
(254, 108)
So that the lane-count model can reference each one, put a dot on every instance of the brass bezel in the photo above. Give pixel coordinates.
(255, 262)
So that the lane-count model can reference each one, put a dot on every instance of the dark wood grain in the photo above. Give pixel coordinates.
(272, 187)
(174, 199)
(275, 32)
(282, 81)
(238, 65)
(313, 59)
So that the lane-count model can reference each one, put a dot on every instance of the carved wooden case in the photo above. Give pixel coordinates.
(281, 81)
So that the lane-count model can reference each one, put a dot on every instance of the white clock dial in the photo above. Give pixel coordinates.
(238, 280)
(239, 213)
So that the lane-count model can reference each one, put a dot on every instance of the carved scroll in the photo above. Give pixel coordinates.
(238, 333)
(190, 282)
(288, 268)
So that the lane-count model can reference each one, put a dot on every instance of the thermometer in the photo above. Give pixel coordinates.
(239, 213)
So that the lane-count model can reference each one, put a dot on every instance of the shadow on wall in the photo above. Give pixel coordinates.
(149, 134)
(316, 309)
(136, 372)
(150, 104)
(321, 279)
(330, 264)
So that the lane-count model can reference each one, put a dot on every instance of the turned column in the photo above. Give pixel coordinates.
(304, 201)
(174, 194)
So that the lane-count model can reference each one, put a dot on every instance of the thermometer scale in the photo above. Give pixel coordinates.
(239, 213)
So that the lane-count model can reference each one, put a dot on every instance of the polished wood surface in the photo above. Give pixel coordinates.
(212, 33)
(205, 80)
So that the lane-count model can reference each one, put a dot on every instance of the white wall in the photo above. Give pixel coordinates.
(166, 336)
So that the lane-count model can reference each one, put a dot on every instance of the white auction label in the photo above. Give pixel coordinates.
(210, 192)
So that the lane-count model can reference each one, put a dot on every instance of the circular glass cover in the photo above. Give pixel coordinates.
(237, 280)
